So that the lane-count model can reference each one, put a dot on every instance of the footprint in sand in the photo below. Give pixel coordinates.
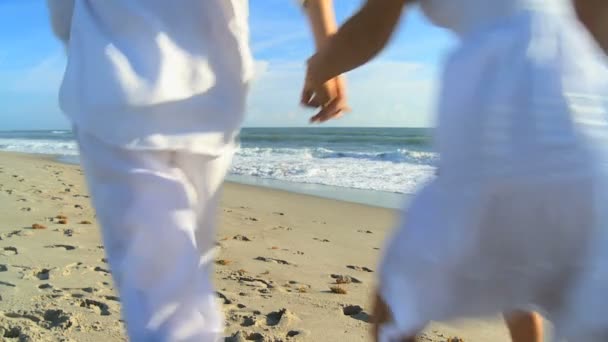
(49, 319)
(356, 312)
(225, 299)
(345, 279)
(3, 268)
(276, 261)
(66, 247)
(9, 250)
(6, 283)
(67, 269)
(241, 238)
(282, 317)
(360, 268)
(100, 307)
(365, 231)
(277, 319)
(321, 240)
(26, 209)
(102, 270)
(350, 310)
(112, 298)
(282, 228)
(44, 274)
(256, 282)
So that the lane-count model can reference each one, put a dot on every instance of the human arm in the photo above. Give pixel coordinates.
(331, 96)
(360, 39)
(594, 15)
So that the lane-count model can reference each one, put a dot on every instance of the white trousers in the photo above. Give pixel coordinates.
(157, 210)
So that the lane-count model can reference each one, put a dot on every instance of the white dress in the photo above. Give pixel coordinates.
(517, 218)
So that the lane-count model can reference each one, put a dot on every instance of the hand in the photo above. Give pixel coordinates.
(330, 96)
(381, 315)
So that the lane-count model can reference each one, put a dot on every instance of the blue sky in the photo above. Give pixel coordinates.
(396, 89)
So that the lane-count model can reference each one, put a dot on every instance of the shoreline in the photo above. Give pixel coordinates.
(279, 255)
(372, 198)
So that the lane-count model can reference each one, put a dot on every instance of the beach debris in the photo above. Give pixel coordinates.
(351, 310)
(38, 226)
(338, 290)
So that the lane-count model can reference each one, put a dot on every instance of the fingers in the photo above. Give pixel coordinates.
(334, 110)
(330, 97)
(307, 94)
(315, 98)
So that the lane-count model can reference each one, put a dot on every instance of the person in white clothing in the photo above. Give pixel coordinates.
(517, 218)
(156, 92)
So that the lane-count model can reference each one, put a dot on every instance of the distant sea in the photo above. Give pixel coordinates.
(376, 166)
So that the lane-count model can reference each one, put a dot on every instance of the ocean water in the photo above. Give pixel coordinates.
(375, 166)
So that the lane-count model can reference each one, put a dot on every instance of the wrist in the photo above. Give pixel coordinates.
(317, 70)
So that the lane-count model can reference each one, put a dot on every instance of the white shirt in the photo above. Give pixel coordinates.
(156, 74)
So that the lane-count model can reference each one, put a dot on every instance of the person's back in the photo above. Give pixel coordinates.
(131, 62)
(526, 63)
(156, 92)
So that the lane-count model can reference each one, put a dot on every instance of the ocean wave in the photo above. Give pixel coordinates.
(39, 146)
(396, 156)
(303, 139)
(397, 170)
(359, 170)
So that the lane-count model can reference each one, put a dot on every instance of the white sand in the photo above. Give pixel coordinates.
(281, 251)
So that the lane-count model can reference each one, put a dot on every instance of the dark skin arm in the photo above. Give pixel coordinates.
(331, 97)
(594, 15)
(359, 40)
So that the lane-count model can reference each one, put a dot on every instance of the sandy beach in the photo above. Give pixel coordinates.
(281, 255)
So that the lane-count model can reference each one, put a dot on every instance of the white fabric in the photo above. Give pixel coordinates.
(157, 210)
(517, 216)
(156, 74)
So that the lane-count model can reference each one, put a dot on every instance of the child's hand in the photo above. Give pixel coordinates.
(330, 96)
